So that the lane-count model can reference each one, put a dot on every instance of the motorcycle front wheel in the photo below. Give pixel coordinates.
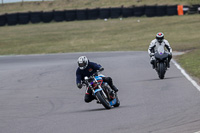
(161, 70)
(103, 100)
(118, 102)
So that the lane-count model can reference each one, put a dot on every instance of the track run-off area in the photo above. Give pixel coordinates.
(38, 94)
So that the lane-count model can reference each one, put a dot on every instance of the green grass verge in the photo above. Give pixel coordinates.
(99, 35)
(191, 62)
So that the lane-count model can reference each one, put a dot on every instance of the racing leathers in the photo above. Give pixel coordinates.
(153, 47)
(88, 71)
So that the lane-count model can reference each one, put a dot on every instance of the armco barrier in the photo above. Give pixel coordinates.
(127, 12)
(161, 10)
(104, 13)
(81, 14)
(93, 14)
(3, 20)
(59, 16)
(23, 18)
(47, 17)
(12, 19)
(139, 11)
(35, 17)
(70, 15)
(115, 12)
(150, 11)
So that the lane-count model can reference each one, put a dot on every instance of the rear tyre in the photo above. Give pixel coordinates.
(103, 100)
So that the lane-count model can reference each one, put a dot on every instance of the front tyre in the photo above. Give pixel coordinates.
(103, 100)
(117, 102)
(161, 70)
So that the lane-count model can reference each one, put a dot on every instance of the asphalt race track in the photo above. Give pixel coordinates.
(38, 94)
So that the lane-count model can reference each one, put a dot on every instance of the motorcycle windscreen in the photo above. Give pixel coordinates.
(160, 53)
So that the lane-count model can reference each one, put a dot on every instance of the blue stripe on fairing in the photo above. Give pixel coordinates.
(98, 78)
(97, 90)
(113, 102)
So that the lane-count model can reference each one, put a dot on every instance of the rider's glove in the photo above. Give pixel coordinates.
(79, 85)
(101, 69)
(151, 54)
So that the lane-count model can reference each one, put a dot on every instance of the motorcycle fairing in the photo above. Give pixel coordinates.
(113, 102)
(161, 56)
(100, 89)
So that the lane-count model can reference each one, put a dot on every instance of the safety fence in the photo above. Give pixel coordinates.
(92, 14)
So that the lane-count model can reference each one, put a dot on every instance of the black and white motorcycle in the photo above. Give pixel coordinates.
(161, 62)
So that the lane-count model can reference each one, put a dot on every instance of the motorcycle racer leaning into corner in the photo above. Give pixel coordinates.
(87, 68)
(153, 47)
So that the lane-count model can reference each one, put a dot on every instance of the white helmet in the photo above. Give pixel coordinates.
(160, 37)
(82, 62)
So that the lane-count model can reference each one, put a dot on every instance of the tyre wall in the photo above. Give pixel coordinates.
(47, 17)
(104, 13)
(70, 15)
(81, 14)
(150, 11)
(161, 10)
(23, 18)
(115, 12)
(92, 14)
(127, 12)
(172, 10)
(139, 11)
(12, 19)
(35, 17)
(3, 20)
(59, 16)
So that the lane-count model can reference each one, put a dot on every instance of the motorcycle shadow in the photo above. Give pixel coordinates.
(94, 110)
(89, 110)
(166, 78)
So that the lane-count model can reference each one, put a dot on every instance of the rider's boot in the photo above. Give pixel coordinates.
(153, 63)
(114, 88)
(168, 65)
(169, 59)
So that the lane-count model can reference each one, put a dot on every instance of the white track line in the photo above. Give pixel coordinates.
(186, 75)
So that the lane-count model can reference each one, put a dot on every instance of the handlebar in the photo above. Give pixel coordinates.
(87, 79)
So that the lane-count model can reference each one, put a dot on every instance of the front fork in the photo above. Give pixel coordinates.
(99, 89)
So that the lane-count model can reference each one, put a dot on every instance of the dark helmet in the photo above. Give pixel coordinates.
(160, 37)
(82, 62)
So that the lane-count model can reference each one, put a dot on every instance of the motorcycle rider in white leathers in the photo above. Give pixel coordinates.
(153, 47)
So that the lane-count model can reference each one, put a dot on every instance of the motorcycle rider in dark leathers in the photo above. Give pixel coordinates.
(87, 68)
(159, 41)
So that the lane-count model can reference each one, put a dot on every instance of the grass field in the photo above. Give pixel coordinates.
(115, 34)
(191, 62)
(128, 34)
